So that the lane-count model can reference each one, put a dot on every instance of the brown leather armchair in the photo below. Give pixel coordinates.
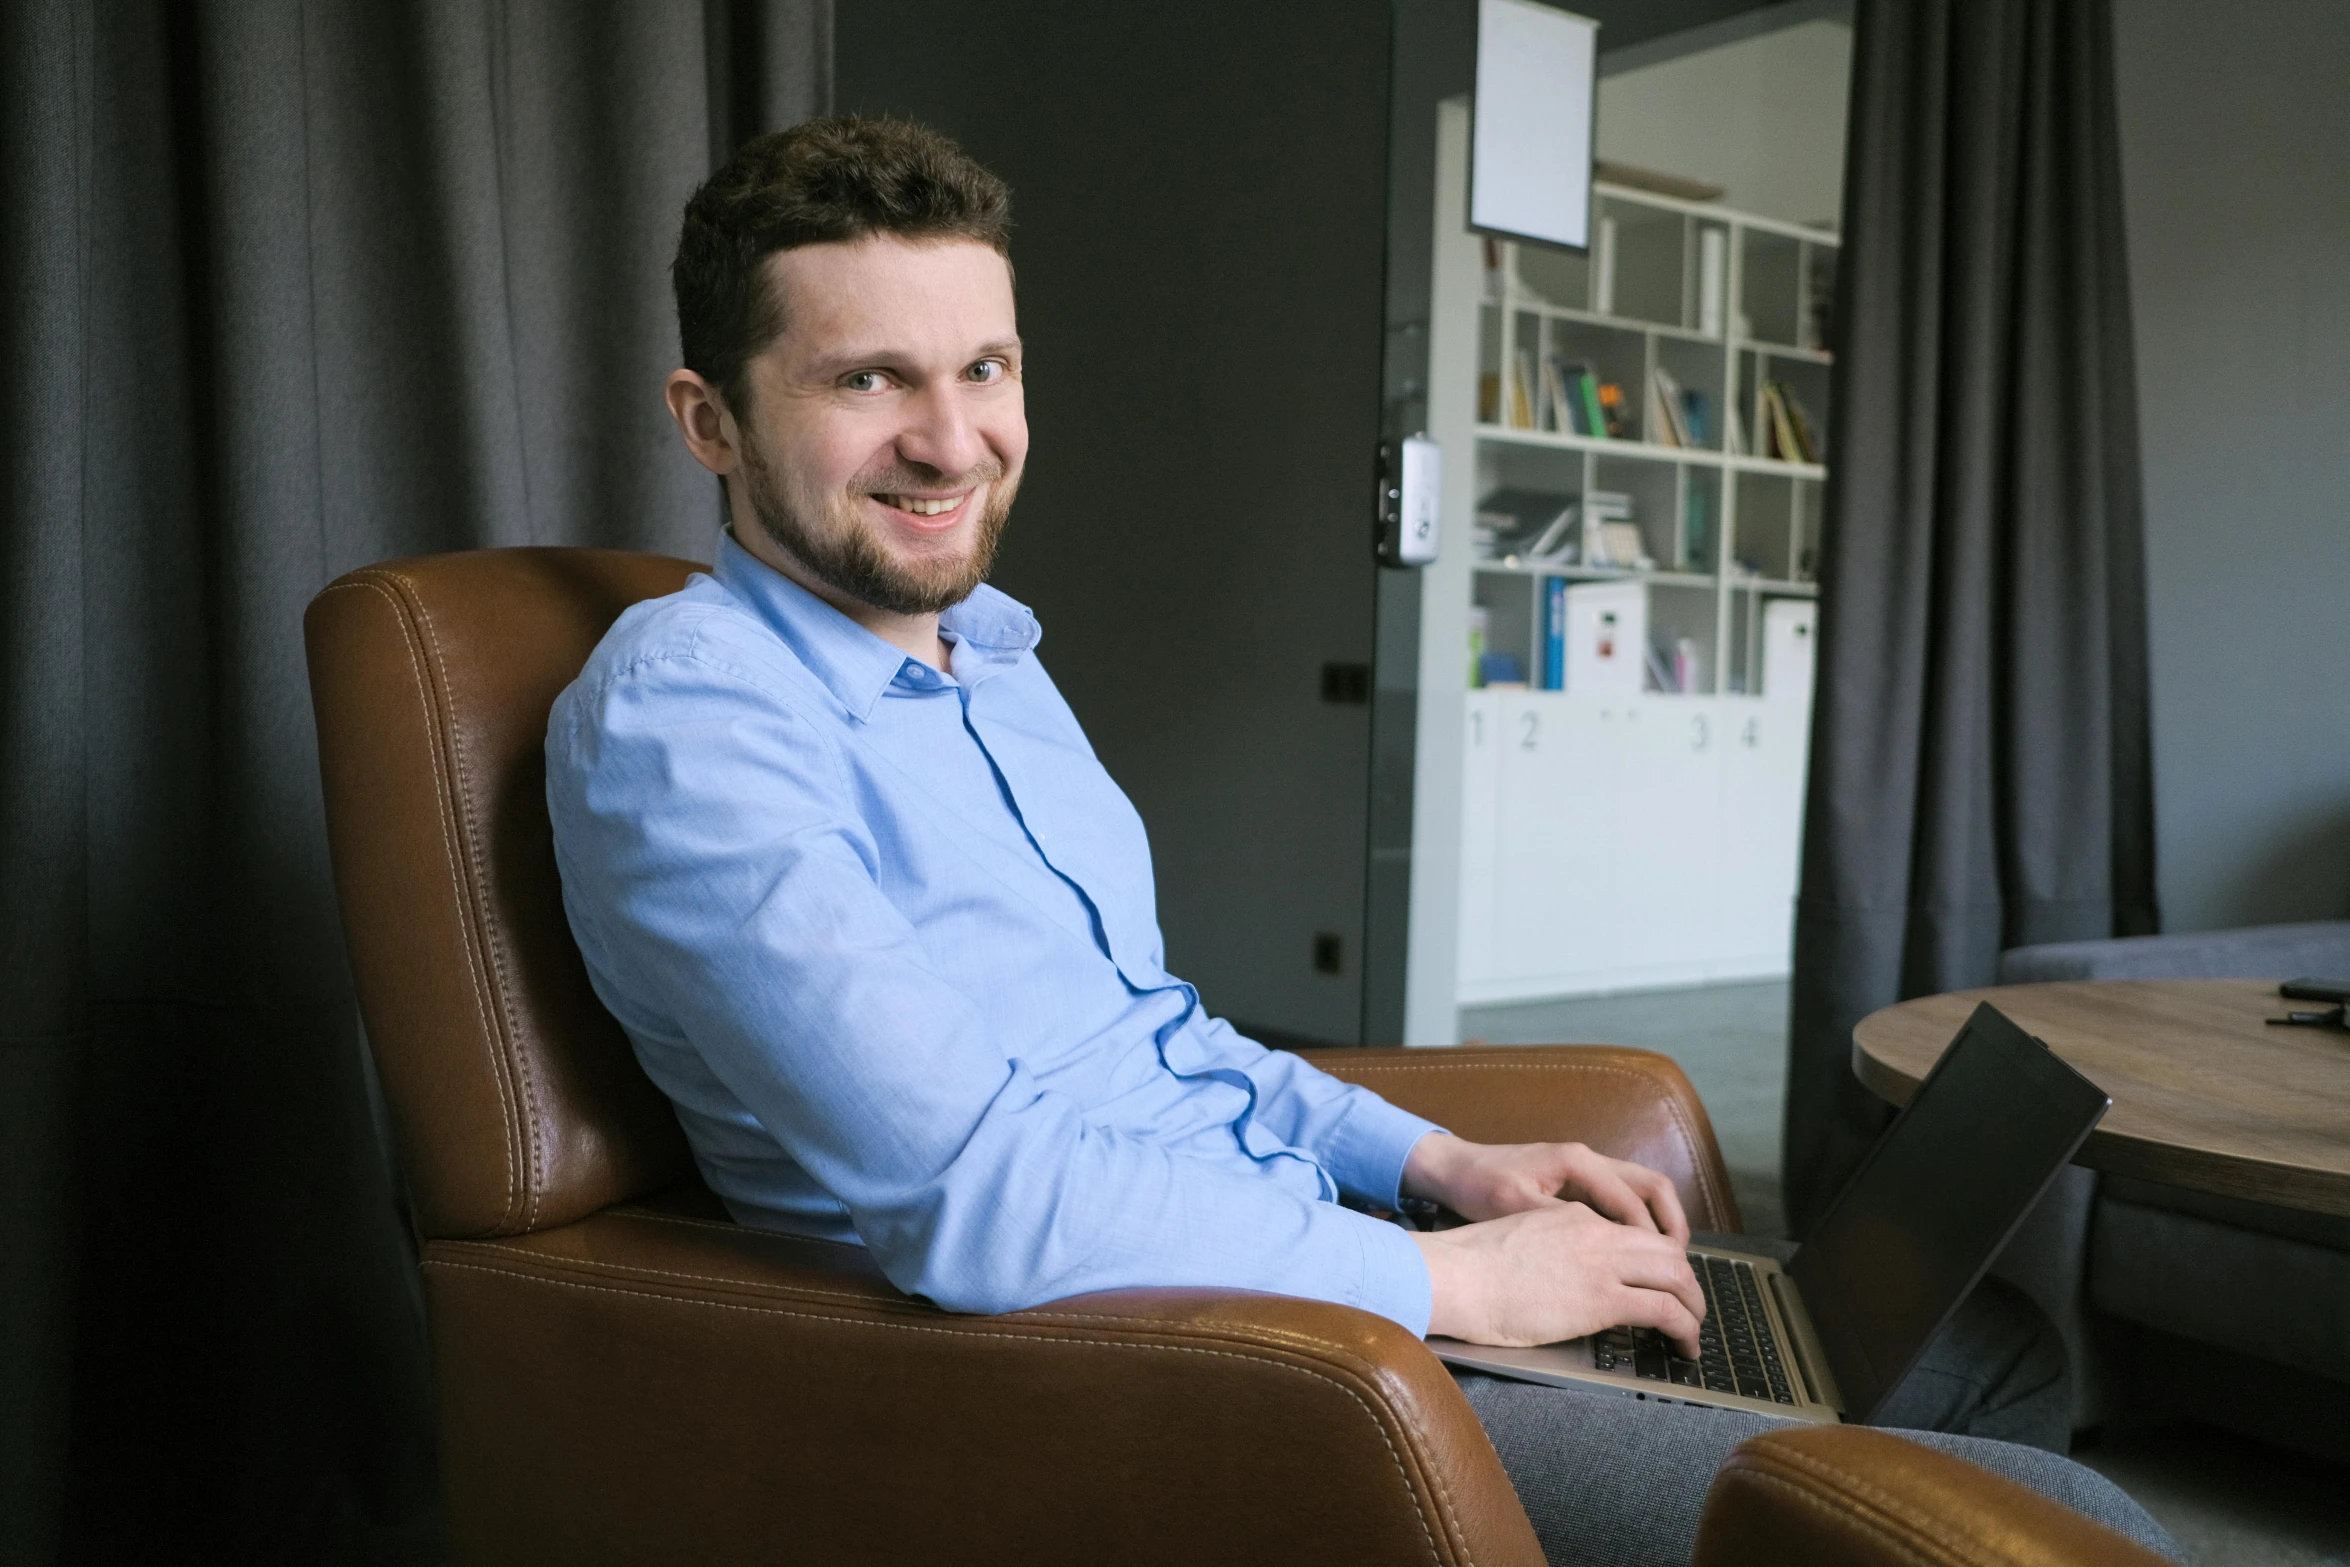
(626, 1376)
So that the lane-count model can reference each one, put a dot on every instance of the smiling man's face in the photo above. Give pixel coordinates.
(886, 428)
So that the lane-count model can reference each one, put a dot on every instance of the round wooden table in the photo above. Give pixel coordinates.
(2205, 1093)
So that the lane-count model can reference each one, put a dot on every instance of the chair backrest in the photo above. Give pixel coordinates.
(515, 1098)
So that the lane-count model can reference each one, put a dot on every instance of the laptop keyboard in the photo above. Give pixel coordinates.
(1737, 1352)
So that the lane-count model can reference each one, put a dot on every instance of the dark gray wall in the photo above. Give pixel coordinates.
(2234, 125)
(1199, 204)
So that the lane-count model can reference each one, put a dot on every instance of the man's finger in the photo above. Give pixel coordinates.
(1653, 1267)
(1661, 1199)
(1607, 1190)
(1663, 1311)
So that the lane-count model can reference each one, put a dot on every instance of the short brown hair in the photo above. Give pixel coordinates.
(821, 182)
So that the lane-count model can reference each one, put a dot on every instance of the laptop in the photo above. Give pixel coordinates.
(1826, 1337)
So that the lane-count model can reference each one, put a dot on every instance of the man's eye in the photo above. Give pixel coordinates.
(987, 370)
(864, 381)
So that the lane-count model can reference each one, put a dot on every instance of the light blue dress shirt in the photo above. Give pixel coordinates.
(888, 939)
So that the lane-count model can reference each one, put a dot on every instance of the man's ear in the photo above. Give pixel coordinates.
(703, 420)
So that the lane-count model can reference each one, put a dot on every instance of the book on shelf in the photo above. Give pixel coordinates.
(1612, 412)
(1659, 422)
(1525, 523)
(1697, 528)
(1558, 541)
(1610, 536)
(1521, 412)
(1697, 416)
(1673, 670)
(1733, 430)
(1669, 409)
(1807, 436)
(1590, 419)
(1787, 427)
(1603, 268)
(1554, 395)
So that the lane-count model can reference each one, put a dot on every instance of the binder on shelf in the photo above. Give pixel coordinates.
(1788, 656)
(1713, 249)
(1522, 390)
(1606, 638)
(1554, 634)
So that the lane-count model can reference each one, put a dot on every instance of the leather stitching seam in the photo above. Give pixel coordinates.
(1885, 1502)
(484, 930)
(416, 664)
(1847, 1517)
(1671, 1100)
(1378, 1425)
(1256, 1332)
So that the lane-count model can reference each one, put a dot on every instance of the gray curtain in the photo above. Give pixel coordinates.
(1979, 767)
(287, 288)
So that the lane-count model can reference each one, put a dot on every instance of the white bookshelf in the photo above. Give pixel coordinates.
(1570, 843)
(1730, 522)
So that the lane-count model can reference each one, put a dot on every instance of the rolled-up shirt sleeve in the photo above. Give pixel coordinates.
(713, 863)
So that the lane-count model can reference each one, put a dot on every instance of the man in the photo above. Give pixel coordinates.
(842, 864)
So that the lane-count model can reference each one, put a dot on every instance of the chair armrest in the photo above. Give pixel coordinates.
(1847, 1496)
(648, 1386)
(1628, 1104)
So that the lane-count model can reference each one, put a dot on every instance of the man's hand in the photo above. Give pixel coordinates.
(1493, 1180)
(1558, 1272)
(1569, 1242)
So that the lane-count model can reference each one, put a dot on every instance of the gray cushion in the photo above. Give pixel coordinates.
(2284, 1297)
(2318, 950)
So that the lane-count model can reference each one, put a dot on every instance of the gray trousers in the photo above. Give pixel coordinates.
(1617, 1482)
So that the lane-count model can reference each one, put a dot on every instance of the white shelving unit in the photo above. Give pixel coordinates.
(1728, 526)
(1629, 840)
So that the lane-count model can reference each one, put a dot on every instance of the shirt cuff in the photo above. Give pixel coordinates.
(1366, 1153)
(1395, 1275)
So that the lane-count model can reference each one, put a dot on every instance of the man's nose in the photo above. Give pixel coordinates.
(942, 434)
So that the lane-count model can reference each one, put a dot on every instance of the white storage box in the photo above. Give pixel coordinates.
(1607, 638)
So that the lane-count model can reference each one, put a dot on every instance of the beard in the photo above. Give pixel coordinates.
(847, 556)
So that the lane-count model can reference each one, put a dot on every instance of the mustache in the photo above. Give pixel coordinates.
(901, 477)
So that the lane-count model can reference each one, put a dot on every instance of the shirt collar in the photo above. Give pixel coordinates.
(855, 665)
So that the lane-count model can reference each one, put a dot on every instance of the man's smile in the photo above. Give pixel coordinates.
(932, 511)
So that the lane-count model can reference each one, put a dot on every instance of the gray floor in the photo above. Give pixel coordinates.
(2230, 1501)
(1730, 1039)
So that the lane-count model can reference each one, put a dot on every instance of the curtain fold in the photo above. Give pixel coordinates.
(289, 288)
(1980, 766)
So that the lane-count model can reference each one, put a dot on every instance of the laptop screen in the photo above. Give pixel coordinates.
(1930, 1207)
